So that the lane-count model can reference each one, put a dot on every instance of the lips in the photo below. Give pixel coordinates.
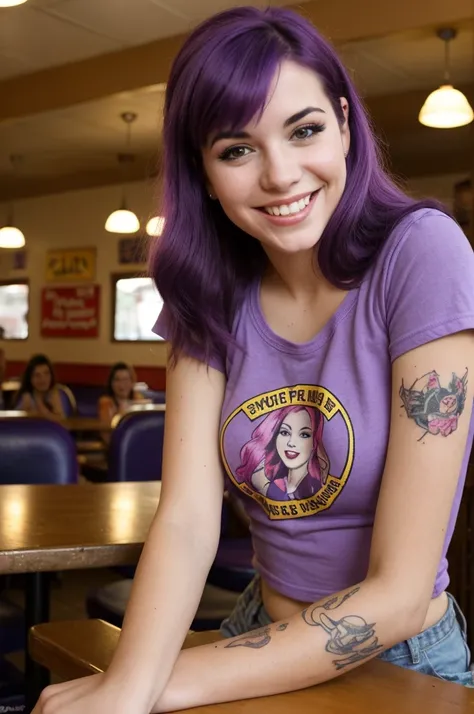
(292, 454)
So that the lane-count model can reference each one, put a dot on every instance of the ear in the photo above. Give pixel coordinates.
(345, 131)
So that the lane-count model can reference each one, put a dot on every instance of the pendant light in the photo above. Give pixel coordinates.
(446, 107)
(155, 226)
(11, 3)
(123, 220)
(11, 237)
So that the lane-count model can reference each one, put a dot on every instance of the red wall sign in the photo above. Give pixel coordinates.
(70, 312)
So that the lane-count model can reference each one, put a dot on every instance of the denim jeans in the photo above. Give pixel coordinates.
(440, 651)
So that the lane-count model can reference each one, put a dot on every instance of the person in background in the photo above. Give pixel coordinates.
(119, 392)
(39, 395)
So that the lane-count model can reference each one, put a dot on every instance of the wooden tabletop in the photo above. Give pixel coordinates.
(80, 648)
(11, 385)
(80, 423)
(46, 528)
(75, 423)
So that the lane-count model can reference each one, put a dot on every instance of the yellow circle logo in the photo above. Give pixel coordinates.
(284, 466)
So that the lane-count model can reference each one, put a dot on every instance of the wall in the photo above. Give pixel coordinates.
(73, 220)
(440, 187)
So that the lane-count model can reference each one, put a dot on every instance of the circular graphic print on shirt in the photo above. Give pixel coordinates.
(283, 464)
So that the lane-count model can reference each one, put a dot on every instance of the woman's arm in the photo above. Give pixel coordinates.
(53, 411)
(106, 411)
(183, 539)
(179, 551)
(25, 403)
(390, 605)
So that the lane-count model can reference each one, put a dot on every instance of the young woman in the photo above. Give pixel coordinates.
(295, 273)
(119, 392)
(39, 395)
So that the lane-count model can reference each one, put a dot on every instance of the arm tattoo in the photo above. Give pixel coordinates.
(351, 637)
(434, 408)
(256, 639)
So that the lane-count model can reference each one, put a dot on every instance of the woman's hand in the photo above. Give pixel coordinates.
(89, 695)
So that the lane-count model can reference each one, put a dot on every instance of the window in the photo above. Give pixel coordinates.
(136, 308)
(14, 310)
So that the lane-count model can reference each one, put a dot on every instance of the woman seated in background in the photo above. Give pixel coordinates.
(119, 392)
(39, 394)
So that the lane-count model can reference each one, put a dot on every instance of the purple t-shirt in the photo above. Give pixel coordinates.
(321, 410)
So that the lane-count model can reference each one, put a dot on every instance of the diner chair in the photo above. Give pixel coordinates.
(135, 450)
(32, 451)
(68, 400)
(136, 446)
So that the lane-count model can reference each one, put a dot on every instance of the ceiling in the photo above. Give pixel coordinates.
(68, 68)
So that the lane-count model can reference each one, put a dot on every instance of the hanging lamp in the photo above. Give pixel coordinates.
(11, 237)
(446, 107)
(123, 220)
(155, 226)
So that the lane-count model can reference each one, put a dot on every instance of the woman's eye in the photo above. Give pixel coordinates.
(305, 435)
(234, 152)
(308, 131)
(284, 432)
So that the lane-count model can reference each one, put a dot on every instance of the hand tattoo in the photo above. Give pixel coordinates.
(351, 637)
(434, 408)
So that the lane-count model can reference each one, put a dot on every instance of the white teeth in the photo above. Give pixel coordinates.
(291, 209)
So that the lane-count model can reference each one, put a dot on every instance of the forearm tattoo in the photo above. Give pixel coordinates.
(434, 408)
(256, 639)
(351, 637)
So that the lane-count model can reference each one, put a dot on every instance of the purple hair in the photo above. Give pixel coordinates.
(220, 80)
(262, 446)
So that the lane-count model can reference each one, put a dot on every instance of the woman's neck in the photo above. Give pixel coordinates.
(295, 477)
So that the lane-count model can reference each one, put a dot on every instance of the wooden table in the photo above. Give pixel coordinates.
(79, 423)
(78, 649)
(50, 528)
(75, 423)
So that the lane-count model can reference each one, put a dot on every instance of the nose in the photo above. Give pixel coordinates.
(281, 170)
(290, 443)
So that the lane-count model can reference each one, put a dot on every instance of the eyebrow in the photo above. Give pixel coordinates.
(245, 135)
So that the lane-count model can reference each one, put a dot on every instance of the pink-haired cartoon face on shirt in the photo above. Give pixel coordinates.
(285, 457)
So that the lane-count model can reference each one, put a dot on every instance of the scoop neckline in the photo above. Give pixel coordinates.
(316, 342)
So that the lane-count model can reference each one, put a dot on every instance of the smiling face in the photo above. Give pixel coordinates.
(294, 442)
(41, 378)
(281, 178)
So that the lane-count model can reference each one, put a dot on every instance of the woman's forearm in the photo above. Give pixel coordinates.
(324, 641)
(167, 590)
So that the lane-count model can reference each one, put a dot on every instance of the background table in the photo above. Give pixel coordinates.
(51, 528)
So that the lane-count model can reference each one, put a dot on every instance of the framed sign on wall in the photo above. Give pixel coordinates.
(70, 311)
(70, 265)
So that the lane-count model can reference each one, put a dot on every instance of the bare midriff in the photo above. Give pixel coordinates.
(280, 607)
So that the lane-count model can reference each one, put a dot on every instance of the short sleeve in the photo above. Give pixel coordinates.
(163, 329)
(429, 286)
